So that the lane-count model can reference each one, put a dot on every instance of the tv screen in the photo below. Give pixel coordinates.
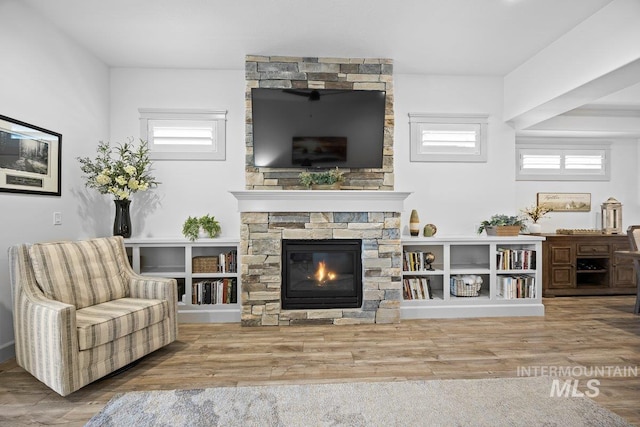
(318, 128)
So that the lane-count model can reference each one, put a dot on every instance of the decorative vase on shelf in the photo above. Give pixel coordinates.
(122, 222)
(414, 223)
(429, 230)
(534, 228)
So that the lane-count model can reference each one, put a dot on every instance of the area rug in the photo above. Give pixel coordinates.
(485, 402)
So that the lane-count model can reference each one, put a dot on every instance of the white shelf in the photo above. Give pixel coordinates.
(477, 255)
(172, 257)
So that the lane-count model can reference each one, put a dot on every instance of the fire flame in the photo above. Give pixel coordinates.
(322, 274)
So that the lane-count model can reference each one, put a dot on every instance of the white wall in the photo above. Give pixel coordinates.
(623, 186)
(48, 81)
(187, 187)
(456, 197)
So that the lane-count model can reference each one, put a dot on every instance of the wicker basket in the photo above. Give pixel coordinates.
(461, 289)
(204, 264)
(502, 230)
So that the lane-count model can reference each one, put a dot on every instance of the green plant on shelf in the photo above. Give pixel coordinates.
(192, 226)
(329, 177)
(498, 220)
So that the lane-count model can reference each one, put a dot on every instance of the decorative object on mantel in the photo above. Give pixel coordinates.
(326, 180)
(535, 213)
(502, 225)
(414, 223)
(611, 216)
(429, 230)
(120, 171)
(205, 226)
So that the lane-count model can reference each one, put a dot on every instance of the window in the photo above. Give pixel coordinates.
(574, 161)
(448, 138)
(184, 134)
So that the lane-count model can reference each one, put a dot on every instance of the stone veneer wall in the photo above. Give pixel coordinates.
(320, 73)
(262, 233)
(261, 237)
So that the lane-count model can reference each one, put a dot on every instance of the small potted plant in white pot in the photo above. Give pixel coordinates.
(534, 214)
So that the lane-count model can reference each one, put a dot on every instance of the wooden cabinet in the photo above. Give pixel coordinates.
(586, 265)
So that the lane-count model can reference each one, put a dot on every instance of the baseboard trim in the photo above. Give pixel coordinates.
(7, 351)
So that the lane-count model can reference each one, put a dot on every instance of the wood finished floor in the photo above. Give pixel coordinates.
(583, 331)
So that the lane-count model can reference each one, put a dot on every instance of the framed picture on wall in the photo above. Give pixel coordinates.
(565, 202)
(30, 159)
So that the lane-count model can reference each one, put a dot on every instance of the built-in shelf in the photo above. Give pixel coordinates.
(477, 256)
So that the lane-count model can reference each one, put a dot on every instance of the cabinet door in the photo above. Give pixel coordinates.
(562, 271)
(623, 272)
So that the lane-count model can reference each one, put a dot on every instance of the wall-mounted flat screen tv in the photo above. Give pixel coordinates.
(317, 128)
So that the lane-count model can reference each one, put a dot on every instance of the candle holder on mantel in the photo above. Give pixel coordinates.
(611, 212)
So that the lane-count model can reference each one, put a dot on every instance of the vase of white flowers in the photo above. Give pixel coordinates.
(119, 171)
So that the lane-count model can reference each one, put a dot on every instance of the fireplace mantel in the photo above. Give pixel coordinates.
(320, 200)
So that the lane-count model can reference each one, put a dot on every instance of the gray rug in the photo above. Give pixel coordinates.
(486, 402)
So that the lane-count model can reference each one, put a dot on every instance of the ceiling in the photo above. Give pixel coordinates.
(450, 37)
(454, 37)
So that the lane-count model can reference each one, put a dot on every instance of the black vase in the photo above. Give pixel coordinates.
(122, 223)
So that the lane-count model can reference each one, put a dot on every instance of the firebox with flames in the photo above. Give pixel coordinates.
(322, 274)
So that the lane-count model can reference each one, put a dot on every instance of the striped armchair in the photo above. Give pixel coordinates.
(80, 311)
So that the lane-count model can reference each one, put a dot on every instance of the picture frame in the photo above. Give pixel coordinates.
(30, 158)
(565, 202)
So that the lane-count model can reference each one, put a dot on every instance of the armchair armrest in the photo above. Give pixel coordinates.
(45, 330)
(156, 288)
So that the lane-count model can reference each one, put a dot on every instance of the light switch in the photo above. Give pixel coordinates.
(57, 218)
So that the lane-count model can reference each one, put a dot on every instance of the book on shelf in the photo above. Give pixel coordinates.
(516, 286)
(228, 262)
(417, 288)
(414, 261)
(516, 259)
(218, 291)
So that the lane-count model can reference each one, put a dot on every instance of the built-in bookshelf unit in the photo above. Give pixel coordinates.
(206, 271)
(447, 277)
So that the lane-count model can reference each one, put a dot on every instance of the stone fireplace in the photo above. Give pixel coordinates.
(276, 208)
(269, 217)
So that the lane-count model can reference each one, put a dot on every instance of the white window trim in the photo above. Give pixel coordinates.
(551, 146)
(217, 151)
(417, 120)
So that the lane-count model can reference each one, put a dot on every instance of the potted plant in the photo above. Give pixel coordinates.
(326, 180)
(210, 225)
(502, 225)
(195, 227)
(191, 228)
(535, 213)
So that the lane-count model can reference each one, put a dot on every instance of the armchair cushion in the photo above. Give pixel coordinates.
(106, 322)
(83, 273)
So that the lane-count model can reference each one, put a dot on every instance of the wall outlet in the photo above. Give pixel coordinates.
(57, 218)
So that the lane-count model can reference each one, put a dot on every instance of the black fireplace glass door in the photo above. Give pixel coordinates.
(322, 273)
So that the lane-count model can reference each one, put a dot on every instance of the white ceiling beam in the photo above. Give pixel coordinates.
(598, 57)
(605, 123)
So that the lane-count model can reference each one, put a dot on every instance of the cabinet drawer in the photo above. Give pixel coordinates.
(593, 248)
